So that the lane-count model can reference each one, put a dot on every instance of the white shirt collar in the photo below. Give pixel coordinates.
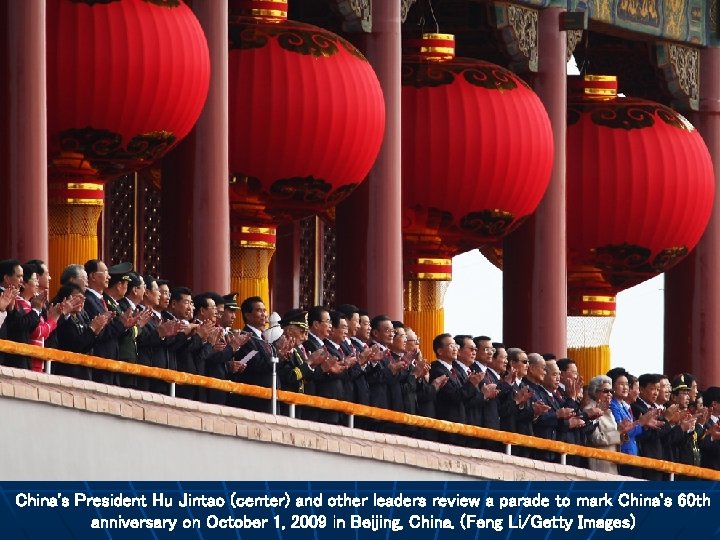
(97, 294)
(255, 331)
(444, 363)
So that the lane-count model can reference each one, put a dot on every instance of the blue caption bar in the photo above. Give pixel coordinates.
(357, 510)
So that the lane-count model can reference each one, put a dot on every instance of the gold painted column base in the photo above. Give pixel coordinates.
(250, 254)
(424, 311)
(591, 361)
(73, 213)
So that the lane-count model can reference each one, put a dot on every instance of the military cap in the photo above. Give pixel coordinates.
(120, 269)
(231, 301)
(680, 383)
(298, 317)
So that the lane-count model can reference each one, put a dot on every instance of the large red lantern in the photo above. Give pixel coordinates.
(477, 152)
(306, 115)
(640, 190)
(307, 118)
(127, 79)
(477, 149)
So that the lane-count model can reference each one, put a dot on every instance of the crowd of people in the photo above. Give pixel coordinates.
(345, 354)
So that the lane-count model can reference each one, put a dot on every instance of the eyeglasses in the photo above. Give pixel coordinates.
(523, 361)
(489, 349)
(607, 391)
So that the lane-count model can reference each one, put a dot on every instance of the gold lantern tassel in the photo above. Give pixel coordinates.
(250, 253)
(590, 322)
(425, 286)
(73, 213)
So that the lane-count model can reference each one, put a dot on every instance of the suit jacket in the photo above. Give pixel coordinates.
(18, 328)
(378, 376)
(73, 334)
(547, 424)
(491, 407)
(258, 372)
(651, 441)
(451, 398)
(514, 418)
(709, 449)
(107, 342)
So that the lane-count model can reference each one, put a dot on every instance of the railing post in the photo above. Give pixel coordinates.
(563, 459)
(48, 366)
(275, 361)
(351, 420)
(172, 389)
(508, 449)
(292, 410)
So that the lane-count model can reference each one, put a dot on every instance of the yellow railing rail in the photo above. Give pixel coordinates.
(505, 437)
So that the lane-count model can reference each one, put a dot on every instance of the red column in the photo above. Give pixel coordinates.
(26, 135)
(535, 266)
(285, 269)
(692, 289)
(211, 206)
(384, 233)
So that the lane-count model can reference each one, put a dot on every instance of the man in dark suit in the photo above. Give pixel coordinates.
(152, 341)
(452, 396)
(17, 325)
(709, 444)
(494, 371)
(516, 413)
(652, 439)
(551, 416)
(467, 352)
(107, 343)
(570, 390)
(124, 293)
(256, 354)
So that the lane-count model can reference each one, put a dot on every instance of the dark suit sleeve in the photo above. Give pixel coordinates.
(72, 338)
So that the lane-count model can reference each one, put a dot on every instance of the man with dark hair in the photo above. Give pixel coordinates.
(43, 274)
(364, 328)
(229, 314)
(650, 442)
(336, 384)
(452, 396)
(494, 371)
(516, 412)
(710, 442)
(474, 406)
(687, 451)
(377, 372)
(571, 390)
(154, 339)
(352, 316)
(115, 297)
(257, 356)
(484, 352)
(17, 325)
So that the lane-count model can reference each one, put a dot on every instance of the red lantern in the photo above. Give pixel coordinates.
(639, 193)
(306, 115)
(477, 150)
(127, 79)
